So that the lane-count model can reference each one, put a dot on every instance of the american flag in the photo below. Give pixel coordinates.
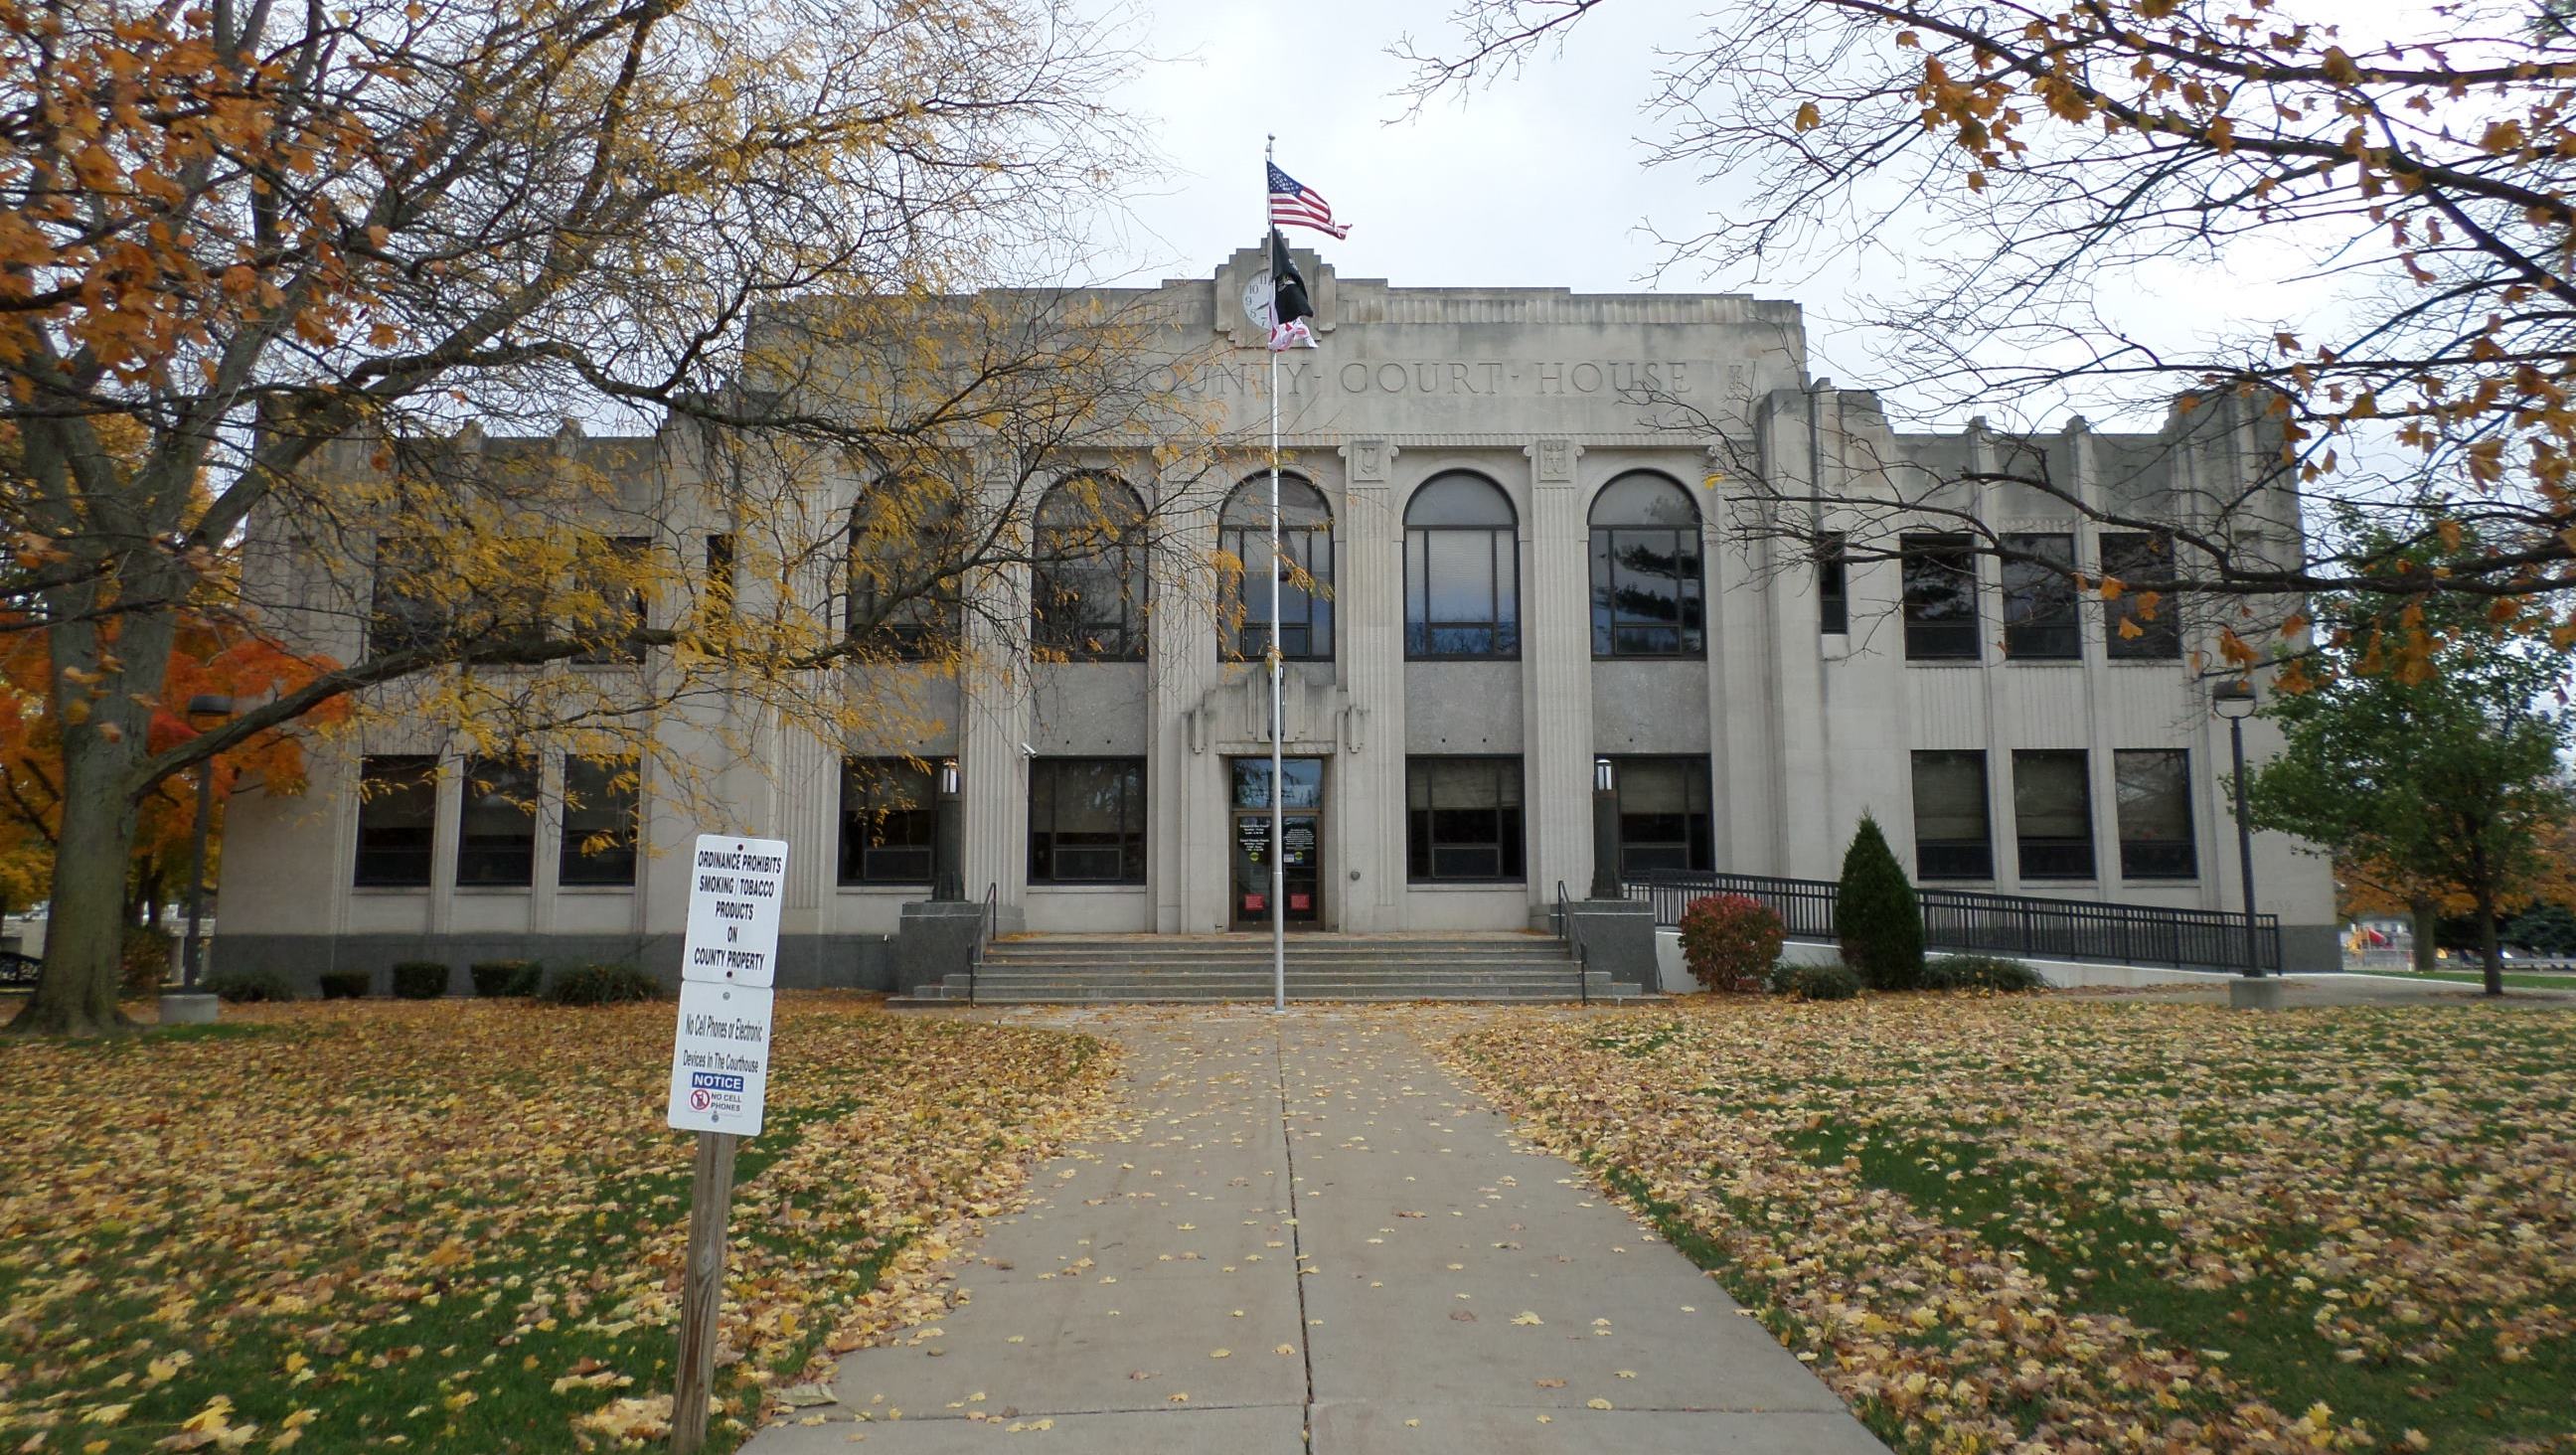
(1295, 205)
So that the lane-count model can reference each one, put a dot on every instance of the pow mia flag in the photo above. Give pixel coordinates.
(1289, 306)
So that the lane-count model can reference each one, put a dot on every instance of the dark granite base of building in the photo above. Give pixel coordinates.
(805, 962)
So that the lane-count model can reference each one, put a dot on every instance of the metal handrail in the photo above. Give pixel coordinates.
(1982, 921)
(1575, 944)
(985, 924)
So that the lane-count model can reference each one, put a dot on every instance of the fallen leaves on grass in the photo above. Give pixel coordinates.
(1953, 1202)
(457, 1226)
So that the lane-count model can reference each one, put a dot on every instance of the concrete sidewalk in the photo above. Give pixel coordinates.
(1310, 1230)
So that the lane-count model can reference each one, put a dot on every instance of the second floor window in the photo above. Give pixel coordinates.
(904, 599)
(1940, 578)
(1646, 582)
(1305, 584)
(406, 612)
(609, 602)
(1462, 570)
(2039, 598)
(1833, 586)
(1088, 582)
(2132, 557)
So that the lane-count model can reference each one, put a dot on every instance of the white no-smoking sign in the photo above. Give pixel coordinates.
(728, 963)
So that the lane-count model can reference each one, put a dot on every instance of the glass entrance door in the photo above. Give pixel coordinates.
(1302, 842)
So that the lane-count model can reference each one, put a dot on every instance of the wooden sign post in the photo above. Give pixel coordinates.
(719, 1080)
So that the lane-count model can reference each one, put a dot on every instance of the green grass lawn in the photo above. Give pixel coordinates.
(455, 1226)
(2113, 1226)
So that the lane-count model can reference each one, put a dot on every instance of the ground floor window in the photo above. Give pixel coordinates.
(1663, 814)
(2154, 803)
(599, 818)
(1087, 821)
(397, 821)
(496, 841)
(1951, 834)
(1462, 819)
(889, 822)
(2053, 813)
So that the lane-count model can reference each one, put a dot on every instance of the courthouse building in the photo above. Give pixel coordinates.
(1523, 567)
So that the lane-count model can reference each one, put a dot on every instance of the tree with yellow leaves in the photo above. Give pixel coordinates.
(297, 251)
(2074, 159)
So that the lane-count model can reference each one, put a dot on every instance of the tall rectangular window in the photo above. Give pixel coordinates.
(609, 603)
(404, 611)
(2053, 814)
(2039, 598)
(496, 831)
(1952, 838)
(2134, 556)
(1663, 814)
(1087, 821)
(1833, 586)
(2154, 793)
(599, 822)
(1940, 577)
(889, 822)
(397, 821)
(1462, 819)
(720, 569)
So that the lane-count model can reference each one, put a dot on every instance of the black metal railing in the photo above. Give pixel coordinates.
(985, 924)
(1997, 924)
(1573, 938)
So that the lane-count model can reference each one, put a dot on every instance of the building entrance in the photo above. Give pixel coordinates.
(1302, 842)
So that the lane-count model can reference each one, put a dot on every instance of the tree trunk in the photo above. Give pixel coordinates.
(85, 941)
(2489, 945)
(2428, 920)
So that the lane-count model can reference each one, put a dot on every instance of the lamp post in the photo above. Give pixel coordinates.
(202, 710)
(1605, 829)
(949, 844)
(2235, 701)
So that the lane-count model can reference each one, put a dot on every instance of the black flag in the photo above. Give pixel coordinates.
(1289, 307)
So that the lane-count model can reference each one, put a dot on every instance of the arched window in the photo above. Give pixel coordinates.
(1646, 570)
(1087, 587)
(1305, 587)
(1462, 570)
(907, 547)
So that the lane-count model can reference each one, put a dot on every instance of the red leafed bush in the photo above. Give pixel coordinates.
(1730, 942)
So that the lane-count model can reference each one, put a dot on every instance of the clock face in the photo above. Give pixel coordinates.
(1256, 299)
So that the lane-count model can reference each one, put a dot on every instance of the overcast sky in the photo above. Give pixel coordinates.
(1534, 181)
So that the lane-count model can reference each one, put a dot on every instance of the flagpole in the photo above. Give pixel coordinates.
(1278, 715)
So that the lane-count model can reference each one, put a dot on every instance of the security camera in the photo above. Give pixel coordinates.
(1027, 752)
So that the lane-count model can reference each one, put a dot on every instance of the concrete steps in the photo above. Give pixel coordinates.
(1091, 969)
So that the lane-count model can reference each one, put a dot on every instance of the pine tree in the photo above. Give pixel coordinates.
(1879, 925)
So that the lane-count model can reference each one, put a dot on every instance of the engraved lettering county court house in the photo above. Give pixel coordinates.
(1517, 574)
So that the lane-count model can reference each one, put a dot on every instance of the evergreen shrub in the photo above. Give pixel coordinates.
(345, 984)
(603, 985)
(1876, 920)
(1981, 972)
(495, 979)
(420, 979)
(1816, 982)
(245, 987)
(1730, 941)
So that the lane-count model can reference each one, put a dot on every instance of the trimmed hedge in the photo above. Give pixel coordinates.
(1876, 917)
(1730, 941)
(345, 984)
(421, 979)
(1816, 982)
(244, 987)
(497, 979)
(1981, 972)
(603, 985)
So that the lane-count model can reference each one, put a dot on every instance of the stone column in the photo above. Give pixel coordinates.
(1183, 778)
(1367, 789)
(1556, 675)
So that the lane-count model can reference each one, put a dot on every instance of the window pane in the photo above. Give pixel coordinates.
(1087, 820)
(1462, 576)
(2053, 815)
(1951, 838)
(1833, 598)
(599, 816)
(1464, 818)
(2154, 790)
(889, 822)
(1663, 806)
(1647, 500)
(2136, 556)
(1087, 587)
(1940, 597)
(1459, 499)
(497, 828)
(2039, 603)
(397, 820)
